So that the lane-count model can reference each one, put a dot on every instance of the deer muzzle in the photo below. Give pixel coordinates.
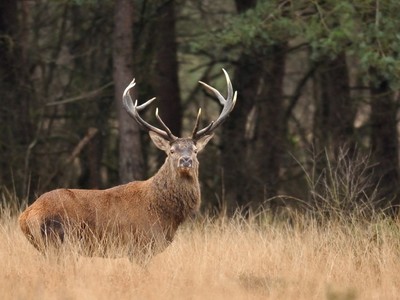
(185, 162)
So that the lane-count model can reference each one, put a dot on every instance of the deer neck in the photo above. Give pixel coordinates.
(169, 178)
(177, 194)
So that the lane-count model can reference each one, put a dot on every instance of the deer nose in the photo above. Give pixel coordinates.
(185, 162)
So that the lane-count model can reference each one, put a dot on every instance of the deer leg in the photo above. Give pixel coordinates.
(53, 231)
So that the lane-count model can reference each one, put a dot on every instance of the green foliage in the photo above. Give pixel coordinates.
(367, 30)
(262, 26)
(253, 30)
(329, 28)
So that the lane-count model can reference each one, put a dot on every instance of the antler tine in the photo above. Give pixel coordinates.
(196, 125)
(229, 84)
(228, 105)
(133, 111)
(168, 131)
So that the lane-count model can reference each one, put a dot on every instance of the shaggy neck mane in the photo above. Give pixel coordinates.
(177, 195)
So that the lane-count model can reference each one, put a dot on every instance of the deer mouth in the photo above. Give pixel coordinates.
(185, 170)
(186, 173)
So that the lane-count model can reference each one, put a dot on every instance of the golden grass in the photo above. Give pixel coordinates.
(222, 259)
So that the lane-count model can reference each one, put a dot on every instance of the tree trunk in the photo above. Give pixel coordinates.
(16, 129)
(253, 136)
(335, 109)
(237, 134)
(384, 141)
(91, 162)
(167, 83)
(270, 143)
(131, 165)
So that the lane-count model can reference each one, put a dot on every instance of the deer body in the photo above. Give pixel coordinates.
(151, 209)
(144, 214)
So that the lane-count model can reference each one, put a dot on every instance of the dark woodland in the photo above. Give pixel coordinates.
(315, 124)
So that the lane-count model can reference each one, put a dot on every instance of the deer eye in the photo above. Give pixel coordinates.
(172, 151)
(195, 150)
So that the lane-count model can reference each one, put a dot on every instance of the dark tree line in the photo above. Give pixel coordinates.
(312, 77)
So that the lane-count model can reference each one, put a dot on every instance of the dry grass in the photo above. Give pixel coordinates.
(223, 259)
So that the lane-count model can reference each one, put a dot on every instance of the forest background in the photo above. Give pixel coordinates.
(316, 121)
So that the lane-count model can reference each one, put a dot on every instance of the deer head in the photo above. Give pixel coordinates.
(181, 152)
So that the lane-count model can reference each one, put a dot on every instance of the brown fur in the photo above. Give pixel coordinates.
(145, 213)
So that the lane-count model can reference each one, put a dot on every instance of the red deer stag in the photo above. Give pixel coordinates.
(142, 214)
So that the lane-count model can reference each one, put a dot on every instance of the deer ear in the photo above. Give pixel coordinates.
(202, 142)
(159, 141)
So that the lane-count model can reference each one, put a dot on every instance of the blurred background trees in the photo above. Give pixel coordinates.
(313, 78)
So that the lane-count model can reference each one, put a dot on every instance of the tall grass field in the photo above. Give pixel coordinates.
(221, 258)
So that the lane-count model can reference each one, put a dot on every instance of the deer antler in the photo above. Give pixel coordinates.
(228, 105)
(133, 110)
